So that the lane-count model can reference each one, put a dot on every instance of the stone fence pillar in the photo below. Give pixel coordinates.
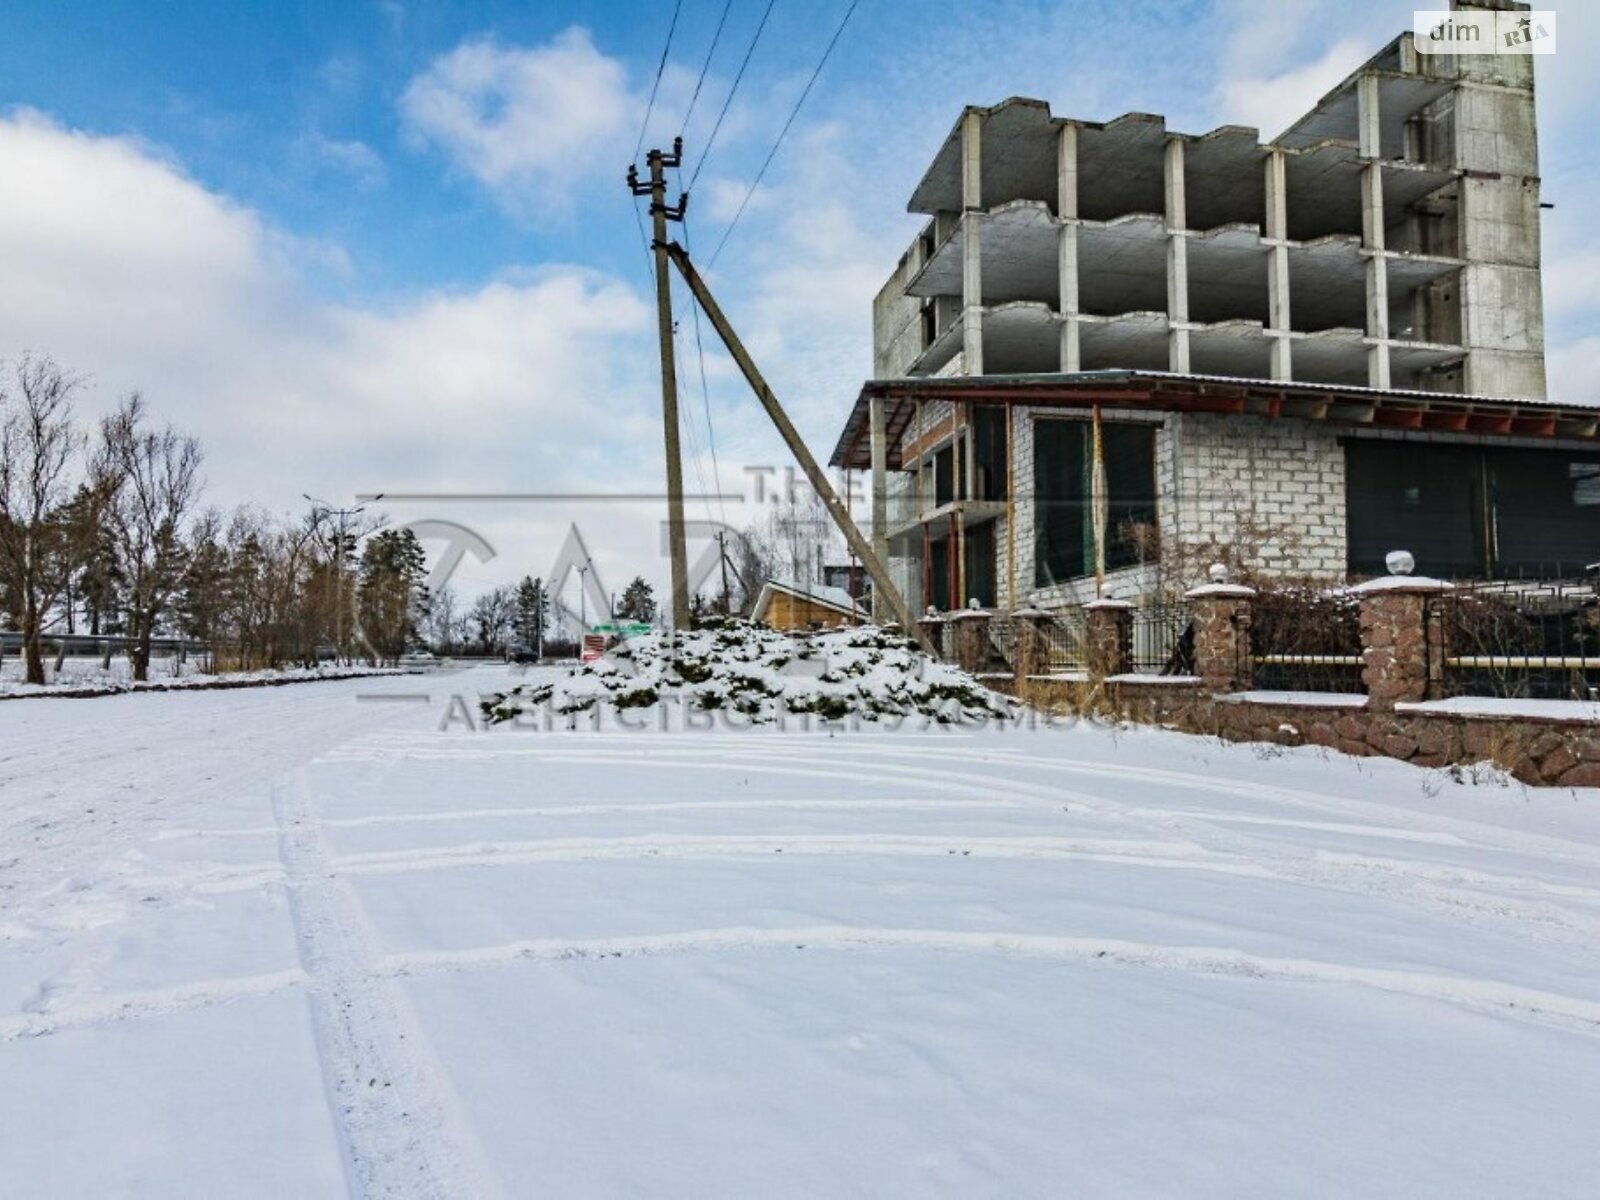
(1031, 653)
(1108, 638)
(972, 638)
(1399, 661)
(932, 626)
(1221, 613)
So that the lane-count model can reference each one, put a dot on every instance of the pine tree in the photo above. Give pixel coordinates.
(392, 596)
(533, 610)
(638, 601)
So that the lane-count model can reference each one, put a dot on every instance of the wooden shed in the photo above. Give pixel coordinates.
(805, 606)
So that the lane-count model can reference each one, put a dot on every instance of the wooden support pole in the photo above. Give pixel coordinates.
(656, 189)
(791, 436)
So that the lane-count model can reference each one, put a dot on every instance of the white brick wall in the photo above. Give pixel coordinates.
(1276, 486)
(1219, 479)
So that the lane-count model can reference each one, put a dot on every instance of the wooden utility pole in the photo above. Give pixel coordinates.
(658, 161)
(722, 553)
(791, 436)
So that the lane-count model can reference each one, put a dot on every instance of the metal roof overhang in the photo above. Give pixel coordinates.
(1157, 391)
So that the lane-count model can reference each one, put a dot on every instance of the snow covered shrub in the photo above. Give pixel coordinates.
(761, 674)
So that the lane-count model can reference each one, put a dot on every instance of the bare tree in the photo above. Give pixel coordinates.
(492, 615)
(793, 542)
(443, 621)
(37, 442)
(153, 481)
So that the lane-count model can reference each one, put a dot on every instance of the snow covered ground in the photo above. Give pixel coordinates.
(306, 942)
(79, 674)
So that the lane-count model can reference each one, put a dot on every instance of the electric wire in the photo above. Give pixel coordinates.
(782, 133)
(705, 67)
(705, 392)
(732, 91)
(654, 87)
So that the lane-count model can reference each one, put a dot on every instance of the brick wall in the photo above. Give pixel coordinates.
(1276, 487)
(1282, 477)
(1539, 752)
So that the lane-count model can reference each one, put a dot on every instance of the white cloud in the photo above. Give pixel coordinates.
(129, 272)
(354, 159)
(1572, 368)
(1270, 102)
(529, 124)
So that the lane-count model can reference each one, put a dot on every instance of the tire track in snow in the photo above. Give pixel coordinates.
(156, 1002)
(1449, 873)
(1486, 995)
(1179, 856)
(399, 1124)
(612, 808)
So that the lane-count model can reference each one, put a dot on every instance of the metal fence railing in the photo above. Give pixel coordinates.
(1303, 639)
(1163, 640)
(1002, 642)
(1517, 639)
(1066, 641)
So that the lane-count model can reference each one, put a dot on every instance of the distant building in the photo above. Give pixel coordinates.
(804, 606)
(1327, 346)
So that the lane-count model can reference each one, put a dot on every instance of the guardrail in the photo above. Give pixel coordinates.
(81, 645)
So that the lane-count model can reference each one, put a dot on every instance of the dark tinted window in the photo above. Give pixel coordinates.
(1473, 511)
(1412, 496)
(989, 452)
(1063, 464)
(1547, 511)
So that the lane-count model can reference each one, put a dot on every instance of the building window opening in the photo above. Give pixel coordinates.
(1063, 473)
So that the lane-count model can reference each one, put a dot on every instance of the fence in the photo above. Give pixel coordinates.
(1066, 639)
(1515, 639)
(1163, 640)
(1305, 639)
(1003, 642)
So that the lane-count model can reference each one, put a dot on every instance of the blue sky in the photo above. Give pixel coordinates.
(385, 245)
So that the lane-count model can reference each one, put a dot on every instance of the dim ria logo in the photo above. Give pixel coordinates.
(1469, 32)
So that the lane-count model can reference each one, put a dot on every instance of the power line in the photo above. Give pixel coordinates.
(705, 392)
(706, 66)
(726, 104)
(795, 112)
(687, 423)
(654, 87)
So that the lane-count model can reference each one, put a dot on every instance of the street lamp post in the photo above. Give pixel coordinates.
(345, 515)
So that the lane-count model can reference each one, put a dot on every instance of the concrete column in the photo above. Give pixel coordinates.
(1222, 634)
(1108, 638)
(1400, 662)
(1277, 227)
(1067, 245)
(1177, 259)
(879, 435)
(972, 639)
(972, 259)
(1372, 231)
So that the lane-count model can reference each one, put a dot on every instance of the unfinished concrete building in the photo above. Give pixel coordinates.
(1390, 238)
(1271, 331)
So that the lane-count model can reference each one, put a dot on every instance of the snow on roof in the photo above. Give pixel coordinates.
(818, 593)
